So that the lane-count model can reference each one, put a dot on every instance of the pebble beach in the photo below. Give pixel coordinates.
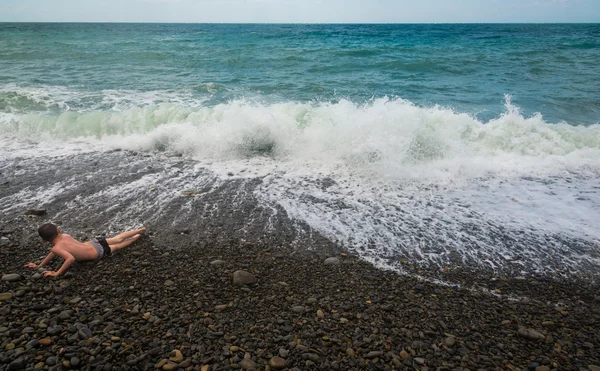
(225, 304)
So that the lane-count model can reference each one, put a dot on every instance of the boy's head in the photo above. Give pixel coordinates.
(48, 232)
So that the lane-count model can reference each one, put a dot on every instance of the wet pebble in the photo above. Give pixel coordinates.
(241, 278)
(277, 363)
(332, 261)
(11, 277)
(530, 334)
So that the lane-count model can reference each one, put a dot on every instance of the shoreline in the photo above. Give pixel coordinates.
(156, 299)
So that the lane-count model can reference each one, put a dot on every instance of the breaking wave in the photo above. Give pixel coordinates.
(389, 138)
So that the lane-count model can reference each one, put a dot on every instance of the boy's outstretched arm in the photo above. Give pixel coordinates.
(69, 259)
(47, 260)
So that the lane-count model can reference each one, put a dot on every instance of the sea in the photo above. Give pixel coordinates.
(439, 145)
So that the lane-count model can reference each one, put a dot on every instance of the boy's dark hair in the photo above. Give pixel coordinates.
(48, 232)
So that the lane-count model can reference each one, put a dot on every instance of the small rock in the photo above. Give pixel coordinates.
(530, 334)
(169, 283)
(74, 300)
(283, 353)
(247, 363)
(320, 313)
(28, 330)
(17, 364)
(450, 341)
(161, 363)
(45, 341)
(298, 309)
(542, 368)
(277, 363)
(374, 354)
(217, 263)
(176, 356)
(221, 307)
(311, 357)
(594, 368)
(75, 361)
(84, 333)
(241, 278)
(12, 277)
(65, 315)
(332, 261)
(170, 367)
(36, 212)
(350, 352)
(420, 361)
(404, 354)
(6, 296)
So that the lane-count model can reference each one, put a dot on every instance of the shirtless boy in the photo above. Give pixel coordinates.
(71, 250)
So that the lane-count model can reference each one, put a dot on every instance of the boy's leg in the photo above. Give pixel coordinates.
(125, 235)
(118, 246)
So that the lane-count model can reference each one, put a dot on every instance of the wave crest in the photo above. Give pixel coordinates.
(390, 137)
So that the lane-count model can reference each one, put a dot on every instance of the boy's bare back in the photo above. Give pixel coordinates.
(79, 250)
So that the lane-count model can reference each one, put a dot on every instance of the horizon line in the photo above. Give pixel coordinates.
(299, 23)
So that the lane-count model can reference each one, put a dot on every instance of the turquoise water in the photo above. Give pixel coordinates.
(550, 69)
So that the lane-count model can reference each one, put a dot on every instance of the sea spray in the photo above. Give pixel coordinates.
(385, 138)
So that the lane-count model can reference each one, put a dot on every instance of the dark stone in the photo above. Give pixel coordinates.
(11, 277)
(530, 334)
(332, 261)
(84, 333)
(17, 364)
(36, 212)
(241, 278)
(75, 361)
(374, 354)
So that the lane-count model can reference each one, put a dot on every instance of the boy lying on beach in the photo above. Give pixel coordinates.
(72, 250)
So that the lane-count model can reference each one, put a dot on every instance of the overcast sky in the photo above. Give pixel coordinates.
(300, 11)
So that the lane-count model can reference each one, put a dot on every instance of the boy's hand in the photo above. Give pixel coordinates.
(50, 274)
(31, 265)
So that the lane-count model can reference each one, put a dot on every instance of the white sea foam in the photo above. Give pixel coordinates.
(386, 178)
(384, 138)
